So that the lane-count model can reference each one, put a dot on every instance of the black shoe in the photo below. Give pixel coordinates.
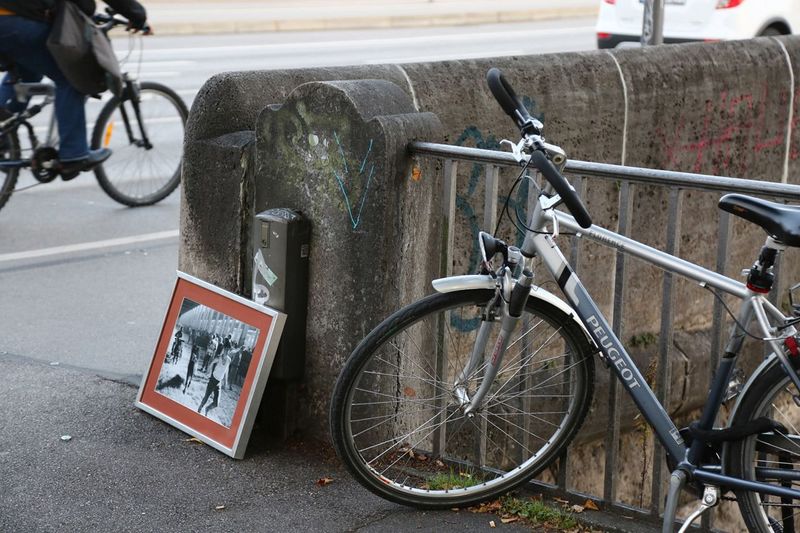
(71, 169)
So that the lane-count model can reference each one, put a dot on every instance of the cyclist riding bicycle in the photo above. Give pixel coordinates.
(24, 28)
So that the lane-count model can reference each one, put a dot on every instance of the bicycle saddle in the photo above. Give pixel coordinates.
(781, 221)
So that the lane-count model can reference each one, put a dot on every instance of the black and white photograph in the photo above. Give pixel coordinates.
(206, 362)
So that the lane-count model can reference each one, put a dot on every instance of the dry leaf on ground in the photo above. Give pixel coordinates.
(577, 508)
(324, 481)
(492, 524)
(509, 519)
(589, 504)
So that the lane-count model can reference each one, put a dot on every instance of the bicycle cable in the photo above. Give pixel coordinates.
(519, 224)
(730, 313)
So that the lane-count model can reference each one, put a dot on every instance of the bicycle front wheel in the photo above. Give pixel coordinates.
(772, 457)
(141, 172)
(397, 423)
(9, 151)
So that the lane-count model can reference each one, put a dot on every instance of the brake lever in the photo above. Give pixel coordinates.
(517, 149)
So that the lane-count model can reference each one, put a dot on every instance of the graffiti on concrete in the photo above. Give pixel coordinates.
(733, 130)
(352, 181)
(467, 200)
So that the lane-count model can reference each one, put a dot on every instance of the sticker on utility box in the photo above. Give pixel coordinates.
(262, 268)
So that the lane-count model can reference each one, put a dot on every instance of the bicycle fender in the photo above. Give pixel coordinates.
(478, 282)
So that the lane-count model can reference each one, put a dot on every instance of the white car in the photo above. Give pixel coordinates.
(620, 21)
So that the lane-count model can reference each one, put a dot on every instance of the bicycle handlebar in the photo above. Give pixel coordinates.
(510, 102)
(529, 126)
(110, 20)
(562, 187)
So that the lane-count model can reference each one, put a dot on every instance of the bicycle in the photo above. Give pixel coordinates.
(143, 169)
(470, 392)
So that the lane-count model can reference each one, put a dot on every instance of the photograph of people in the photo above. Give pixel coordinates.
(205, 366)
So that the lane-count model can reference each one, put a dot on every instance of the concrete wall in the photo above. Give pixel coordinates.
(726, 108)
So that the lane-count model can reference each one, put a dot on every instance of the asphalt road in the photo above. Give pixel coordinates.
(86, 281)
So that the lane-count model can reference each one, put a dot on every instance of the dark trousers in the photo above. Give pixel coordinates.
(212, 388)
(23, 41)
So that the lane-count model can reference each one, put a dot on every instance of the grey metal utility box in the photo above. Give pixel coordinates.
(280, 280)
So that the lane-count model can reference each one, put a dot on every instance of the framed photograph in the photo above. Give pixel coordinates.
(211, 364)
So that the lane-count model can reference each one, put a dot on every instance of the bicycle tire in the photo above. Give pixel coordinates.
(9, 176)
(449, 478)
(141, 189)
(770, 395)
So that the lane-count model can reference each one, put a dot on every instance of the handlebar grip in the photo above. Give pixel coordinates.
(507, 98)
(563, 188)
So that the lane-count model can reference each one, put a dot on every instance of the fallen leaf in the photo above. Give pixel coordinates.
(577, 508)
(219, 508)
(495, 505)
(408, 391)
(455, 509)
(509, 519)
(559, 500)
(324, 481)
(439, 463)
(589, 504)
(195, 440)
(416, 173)
(492, 524)
(422, 457)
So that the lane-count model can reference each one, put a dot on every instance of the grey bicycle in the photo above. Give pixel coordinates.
(472, 391)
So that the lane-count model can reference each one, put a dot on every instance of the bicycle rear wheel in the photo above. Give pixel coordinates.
(770, 457)
(9, 150)
(399, 428)
(138, 175)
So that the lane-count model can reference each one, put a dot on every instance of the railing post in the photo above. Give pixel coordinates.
(448, 237)
(612, 437)
(664, 372)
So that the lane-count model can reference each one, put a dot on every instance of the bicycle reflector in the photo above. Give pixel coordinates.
(107, 135)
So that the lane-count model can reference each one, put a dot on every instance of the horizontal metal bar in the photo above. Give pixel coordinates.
(744, 484)
(686, 180)
(656, 257)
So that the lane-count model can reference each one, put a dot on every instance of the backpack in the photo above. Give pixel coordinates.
(83, 52)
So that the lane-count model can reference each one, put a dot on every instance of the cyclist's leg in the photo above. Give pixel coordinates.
(29, 51)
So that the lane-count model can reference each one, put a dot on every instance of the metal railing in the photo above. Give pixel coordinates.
(676, 183)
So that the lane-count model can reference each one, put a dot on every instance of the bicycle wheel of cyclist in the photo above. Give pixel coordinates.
(9, 150)
(137, 174)
(397, 425)
(771, 457)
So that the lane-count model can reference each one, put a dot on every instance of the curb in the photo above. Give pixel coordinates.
(354, 23)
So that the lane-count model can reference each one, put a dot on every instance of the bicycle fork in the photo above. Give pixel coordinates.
(511, 313)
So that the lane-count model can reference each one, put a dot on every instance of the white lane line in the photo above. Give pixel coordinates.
(86, 246)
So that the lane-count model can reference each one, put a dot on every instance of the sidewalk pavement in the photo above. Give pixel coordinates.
(123, 470)
(213, 16)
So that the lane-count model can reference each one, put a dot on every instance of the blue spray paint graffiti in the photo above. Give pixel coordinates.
(465, 202)
(355, 218)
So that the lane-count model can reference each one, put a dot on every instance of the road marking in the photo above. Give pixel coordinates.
(85, 246)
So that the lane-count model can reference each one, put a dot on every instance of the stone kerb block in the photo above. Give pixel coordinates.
(336, 151)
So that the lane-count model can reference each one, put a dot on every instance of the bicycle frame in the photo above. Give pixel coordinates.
(754, 306)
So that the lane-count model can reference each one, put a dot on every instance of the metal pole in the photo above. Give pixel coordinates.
(653, 23)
